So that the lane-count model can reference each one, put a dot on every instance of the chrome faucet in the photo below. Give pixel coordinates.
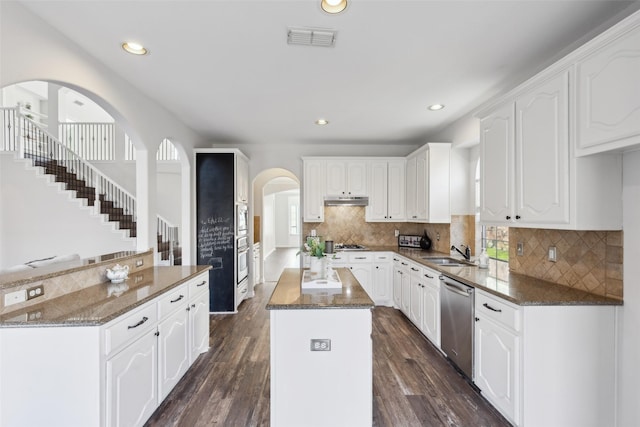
(467, 251)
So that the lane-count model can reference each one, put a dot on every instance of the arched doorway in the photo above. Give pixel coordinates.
(277, 222)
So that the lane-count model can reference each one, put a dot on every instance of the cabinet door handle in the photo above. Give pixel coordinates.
(497, 310)
(414, 269)
(204, 282)
(177, 299)
(377, 267)
(428, 277)
(477, 319)
(517, 216)
(188, 308)
(144, 319)
(193, 306)
(361, 257)
(508, 217)
(404, 263)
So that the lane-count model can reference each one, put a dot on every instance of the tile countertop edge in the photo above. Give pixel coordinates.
(529, 291)
(197, 270)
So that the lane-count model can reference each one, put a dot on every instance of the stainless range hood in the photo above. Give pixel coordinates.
(346, 201)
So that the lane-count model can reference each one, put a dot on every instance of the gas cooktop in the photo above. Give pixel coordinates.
(349, 247)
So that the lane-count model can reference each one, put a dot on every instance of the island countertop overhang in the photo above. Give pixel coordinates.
(288, 294)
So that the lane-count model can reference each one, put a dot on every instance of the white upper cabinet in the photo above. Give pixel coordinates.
(428, 184)
(608, 91)
(542, 153)
(314, 190)
(242, 179)
(528, 177)
(386, 197)
(346, 177)
(496, 165)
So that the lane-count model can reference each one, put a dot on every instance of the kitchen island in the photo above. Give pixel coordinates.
(321, 353)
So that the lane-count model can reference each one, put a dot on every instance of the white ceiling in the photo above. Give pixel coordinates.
(224, 67)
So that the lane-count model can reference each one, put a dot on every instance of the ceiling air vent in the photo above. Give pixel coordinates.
(311, 37)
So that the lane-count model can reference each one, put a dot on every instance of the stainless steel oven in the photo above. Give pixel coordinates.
(242, 220)
(242, 258)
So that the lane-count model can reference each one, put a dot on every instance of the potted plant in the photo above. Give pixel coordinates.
(317, 260)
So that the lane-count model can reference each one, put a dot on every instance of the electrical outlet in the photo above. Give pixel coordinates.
(320, 344)
(139, 263)
(552, 253)
(520, 248)
(15, 297)
(36, 291)
(396, 233)
(438, 236)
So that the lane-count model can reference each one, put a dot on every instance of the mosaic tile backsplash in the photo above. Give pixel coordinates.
(587, 260)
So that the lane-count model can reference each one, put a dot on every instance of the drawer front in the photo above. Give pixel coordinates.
(339, 258)
(198, 285)
(500, 311)
(130, 327)
(360, 257)
(173, 300)
(382, 256)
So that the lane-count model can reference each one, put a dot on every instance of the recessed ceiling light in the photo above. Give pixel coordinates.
(134, 48)
(333, 6)
(436, 107)
(322, 122)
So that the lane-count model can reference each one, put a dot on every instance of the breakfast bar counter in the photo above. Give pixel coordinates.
(321, 353)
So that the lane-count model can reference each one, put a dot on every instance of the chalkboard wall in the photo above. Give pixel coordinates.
(215, 226)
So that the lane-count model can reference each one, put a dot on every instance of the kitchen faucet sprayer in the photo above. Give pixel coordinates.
(467, 251)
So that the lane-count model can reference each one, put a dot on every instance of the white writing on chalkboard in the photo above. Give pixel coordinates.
(215, 235)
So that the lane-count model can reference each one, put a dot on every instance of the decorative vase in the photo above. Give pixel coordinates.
(318, 265)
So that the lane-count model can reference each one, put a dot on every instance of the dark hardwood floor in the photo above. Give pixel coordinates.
(413, 385)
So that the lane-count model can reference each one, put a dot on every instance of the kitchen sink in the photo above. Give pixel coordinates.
(448, 261)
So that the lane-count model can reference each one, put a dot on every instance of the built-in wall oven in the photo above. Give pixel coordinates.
(242, 220)
(243, 258)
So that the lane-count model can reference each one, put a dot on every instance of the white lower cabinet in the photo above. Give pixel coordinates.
(546, 365)
(405, 285)
(173, 351)
(382, 278)
(497, 364)
(398, 272)
(140, 376)
(131, 389)
(198, 326)
(415, 295)
(430, 325)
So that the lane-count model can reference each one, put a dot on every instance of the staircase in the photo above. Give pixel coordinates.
(23, 136)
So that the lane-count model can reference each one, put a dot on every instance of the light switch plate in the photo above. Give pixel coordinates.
(520, 248)
(552, 253)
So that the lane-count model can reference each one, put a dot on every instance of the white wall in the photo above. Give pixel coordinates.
(629, 314)
(39, 220)
(268, 243)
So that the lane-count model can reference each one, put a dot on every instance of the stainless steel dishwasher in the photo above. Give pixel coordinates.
(456, 316)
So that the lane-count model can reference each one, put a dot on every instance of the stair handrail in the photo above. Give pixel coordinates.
(84, 170)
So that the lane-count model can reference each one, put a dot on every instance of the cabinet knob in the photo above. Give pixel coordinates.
(517, 216)
(508, 217)
(477, 319)
(390, 217)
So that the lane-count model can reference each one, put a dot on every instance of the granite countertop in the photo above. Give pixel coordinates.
(288, 295)
(517, 288)
(93, 306)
